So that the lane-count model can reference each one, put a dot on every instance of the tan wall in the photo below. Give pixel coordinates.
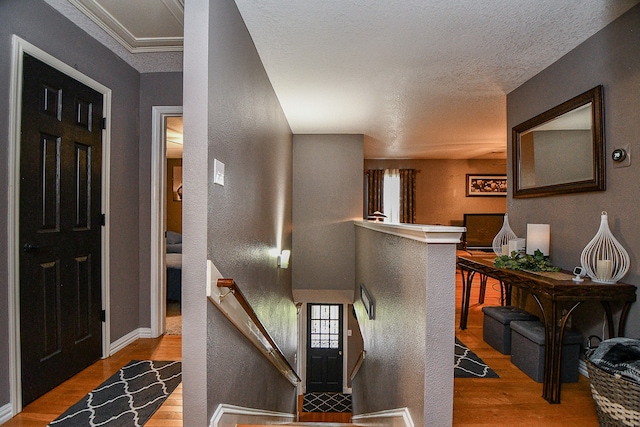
(174, 208)
(441, 188)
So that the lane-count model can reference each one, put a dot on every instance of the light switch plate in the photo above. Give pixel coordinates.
(218, 172)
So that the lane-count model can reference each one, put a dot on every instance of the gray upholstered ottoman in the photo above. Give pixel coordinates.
(495, 327)
(527, 351)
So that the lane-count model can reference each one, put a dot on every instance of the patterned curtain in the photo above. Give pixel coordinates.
(408, 196)
(375, 196)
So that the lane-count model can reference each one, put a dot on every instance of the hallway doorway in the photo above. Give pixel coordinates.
(324, 347)
(166, 220)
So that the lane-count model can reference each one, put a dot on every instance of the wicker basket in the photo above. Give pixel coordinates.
(617, 399)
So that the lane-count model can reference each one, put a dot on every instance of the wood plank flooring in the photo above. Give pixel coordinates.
(512, 400)
(45, 409)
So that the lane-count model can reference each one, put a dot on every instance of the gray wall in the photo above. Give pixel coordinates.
(611, 58)
(232, 114)
(156, 89)
(42, 26)
(327, 197)
(411, 284)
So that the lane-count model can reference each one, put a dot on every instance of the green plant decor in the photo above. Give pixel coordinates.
(517, 261)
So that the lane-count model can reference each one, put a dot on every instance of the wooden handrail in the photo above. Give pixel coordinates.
(359, 362)
(263, 341)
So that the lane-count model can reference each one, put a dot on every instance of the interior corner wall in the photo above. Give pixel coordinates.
(392, 375)
(39, 24)
(441, 187)
(156, 89)
(232, 114)
(327, 197)
(611, 58)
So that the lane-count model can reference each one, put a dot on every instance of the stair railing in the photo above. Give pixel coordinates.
(359, 362)
(235, 307)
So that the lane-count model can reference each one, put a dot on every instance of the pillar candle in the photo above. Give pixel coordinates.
(604, 269)
(538, 236)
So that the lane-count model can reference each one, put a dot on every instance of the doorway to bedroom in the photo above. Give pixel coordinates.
(173, 212)
(166, 221)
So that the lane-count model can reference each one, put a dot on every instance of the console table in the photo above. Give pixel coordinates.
(546, 288)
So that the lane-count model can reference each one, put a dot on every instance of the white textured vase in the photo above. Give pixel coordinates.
(604, 259)
(501, 241)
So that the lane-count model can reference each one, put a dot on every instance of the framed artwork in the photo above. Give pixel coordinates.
(177, 183)
(486, 185)
(367, 301)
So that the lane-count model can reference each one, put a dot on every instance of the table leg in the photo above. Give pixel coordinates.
(609, 315)
(466, 296)
(505, 290)
(623, 318)
(483, 288)
(554, 336)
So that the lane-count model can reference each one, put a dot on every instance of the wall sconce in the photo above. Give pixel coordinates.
(283, 259)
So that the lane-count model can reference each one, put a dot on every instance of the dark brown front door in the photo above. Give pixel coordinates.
(60, 221)
(324, 348)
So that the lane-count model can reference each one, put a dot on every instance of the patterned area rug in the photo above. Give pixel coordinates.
(326, 402)
(127, 399)
(469, 365)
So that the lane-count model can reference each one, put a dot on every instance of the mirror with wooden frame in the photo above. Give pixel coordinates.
(562, 149)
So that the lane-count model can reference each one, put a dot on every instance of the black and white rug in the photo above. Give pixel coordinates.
(326, 402)
(469, 365)
(127, 399)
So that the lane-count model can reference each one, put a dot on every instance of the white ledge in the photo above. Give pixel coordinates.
(419, 232)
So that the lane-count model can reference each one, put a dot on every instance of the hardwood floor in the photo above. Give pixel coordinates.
(511, 400)
(45, 409)
(514, 399)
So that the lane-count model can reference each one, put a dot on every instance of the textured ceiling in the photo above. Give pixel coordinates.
(419, 78)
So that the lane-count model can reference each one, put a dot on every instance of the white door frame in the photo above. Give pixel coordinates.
(20, 47)
(301, 364)
(158, 215)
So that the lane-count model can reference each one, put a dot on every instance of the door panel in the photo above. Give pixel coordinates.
(60, 194)
(324, 348)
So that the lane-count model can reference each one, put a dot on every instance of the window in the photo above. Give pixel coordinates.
(392, 195)
(325, 326)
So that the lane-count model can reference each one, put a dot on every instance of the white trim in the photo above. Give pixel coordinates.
(230, 415)
(400, 414)
(302, 348)
(301, 365)
(20, 47)
(5, 413)
(107, 22)
(158, 276)
(345, 350)
(130, 338)
(421, 233)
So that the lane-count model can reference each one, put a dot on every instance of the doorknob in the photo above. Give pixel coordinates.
(340, 353)
(29, 247)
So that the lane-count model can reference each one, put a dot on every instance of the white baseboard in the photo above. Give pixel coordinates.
(230, 415)
(5, 413)
(388, 417)
(131, 337)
